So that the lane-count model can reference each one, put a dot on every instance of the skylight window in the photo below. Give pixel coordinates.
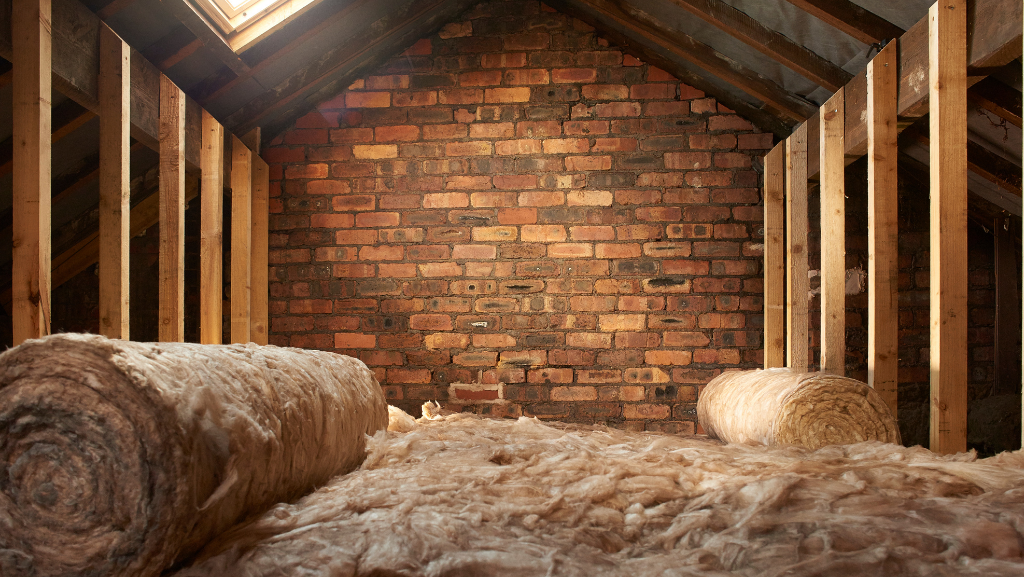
(243, 23)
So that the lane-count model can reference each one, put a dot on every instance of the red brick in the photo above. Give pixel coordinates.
(493, 199)
(353, 270)
(659, 214)
(491, 130)
(480, 78)
(377, 219)
(652, 91)
(468, 182)
(517, 215)
(543, 233)
(308, 170)
(474, 251)
(566, 145)
(411, 376)
(605, 92)
(306, 136)
(585, 127)
(617, 109)
(474, 148)
(521, 94)
(762, 141)
(538, 129)
(712, 141)
(503, 60)
(368, 99)
(331, 220)
(354, 341)
(614, 144)
(592, 232)
(404, 270)
(587, 163)
(567, 393)
(280, 154)
(524, 146)
(352, 202)
(460, 96)
(355, 237)
(375, 151)
(531, 41)
(541, 198)
(728, 122)
(677, 108)
(396, 133)
(444, 131)
(516, 182)
(526, 76)
(329, 153)
(566, 75)
(430, 322)
(720, 178)
(688, 160)
(655, 74)
(621, 250)
(424, 98)
(732, 160)
(420, 48)
(440, 269)
(588, 340)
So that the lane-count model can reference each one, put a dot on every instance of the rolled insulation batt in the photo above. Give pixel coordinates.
(123, 458)
(781, 407)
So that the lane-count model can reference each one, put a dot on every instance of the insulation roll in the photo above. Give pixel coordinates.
(781, 407)
(123, 458)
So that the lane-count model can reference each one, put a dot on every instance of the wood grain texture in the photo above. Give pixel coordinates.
(172, 212)
(775, 257)
(768, 42)
(833, 236)
(947, 82)
(30, 288)
(883, 227)
(850, 18)
(115, 184)
(796, 250)
(260, 288)
(211, 235)
(241, 241)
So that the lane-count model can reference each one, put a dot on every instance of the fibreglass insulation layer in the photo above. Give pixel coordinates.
(123, 458)
(783, 407)
(461, 495)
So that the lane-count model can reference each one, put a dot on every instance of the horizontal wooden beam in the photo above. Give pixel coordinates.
(850, 18)
(768, 42)
(76, 58)
(993, 40)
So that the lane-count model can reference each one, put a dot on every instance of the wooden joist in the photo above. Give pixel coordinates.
(75, 72)
(775, 257)
(31, 106)
(833, 237)
(883, 251)
(211, 244)
(709, 59)
(947, 83)
(115, 184)
(768, 42)
(260, 283)
(850, 18)
(172, 212)
(796, 250)
(241, 241)
(1007, 372)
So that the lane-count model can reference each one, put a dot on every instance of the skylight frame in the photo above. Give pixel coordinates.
(231, 19)
(253, 20)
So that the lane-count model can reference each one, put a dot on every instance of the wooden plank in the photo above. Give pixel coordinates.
(241, 241)
(211, 244)
(775, 257)
(947, 81)
(75, 69)
(994, 96)
(1007, 309)
(850, 18)
(172, 212)
(768, 42)
(833, 236)
(883, 227)
(252, 140)
(30, 288)
(115, 184)
(796, 249)
(260, 292)
(1022, 324)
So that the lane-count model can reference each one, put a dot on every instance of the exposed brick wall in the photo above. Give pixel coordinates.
(515, 201)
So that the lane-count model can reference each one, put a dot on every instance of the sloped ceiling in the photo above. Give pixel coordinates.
(773, 61)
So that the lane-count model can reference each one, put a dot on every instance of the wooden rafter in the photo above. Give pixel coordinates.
(707, 58)
(997, 98)
(850, 18)
(768, 42)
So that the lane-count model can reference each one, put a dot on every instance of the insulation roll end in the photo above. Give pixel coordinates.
(782, 407)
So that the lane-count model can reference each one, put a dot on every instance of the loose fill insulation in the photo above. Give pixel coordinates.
(461, 495)
(782, 407)
(123, 458)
